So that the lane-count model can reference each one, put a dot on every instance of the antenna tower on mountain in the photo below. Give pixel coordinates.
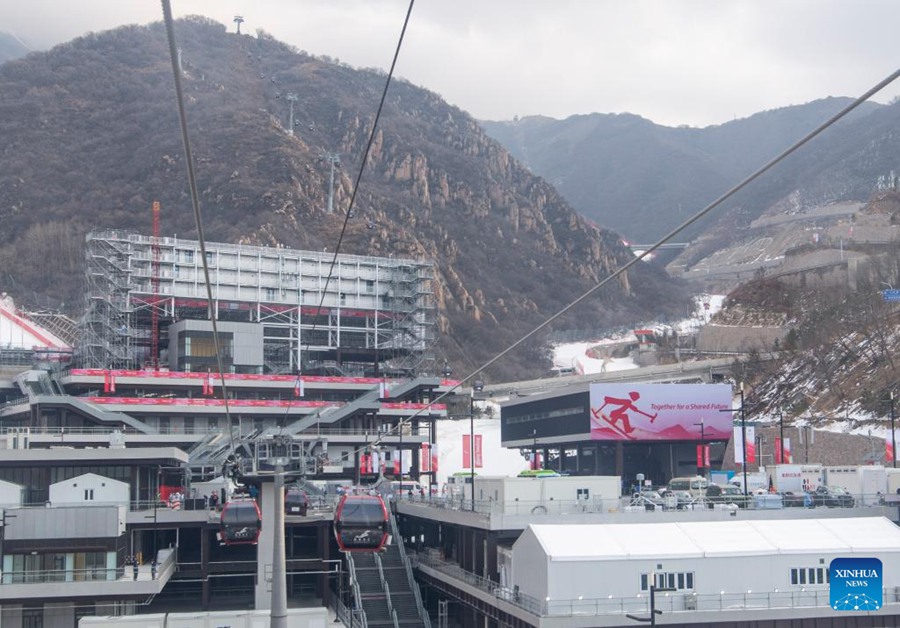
(292, 98)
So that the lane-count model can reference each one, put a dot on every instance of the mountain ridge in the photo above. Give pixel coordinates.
(641, 179)
(94, 140)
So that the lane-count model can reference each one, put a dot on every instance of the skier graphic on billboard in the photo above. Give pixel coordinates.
(660, 412)
(620, 413)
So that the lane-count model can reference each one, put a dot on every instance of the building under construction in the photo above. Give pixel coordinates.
(277, 310)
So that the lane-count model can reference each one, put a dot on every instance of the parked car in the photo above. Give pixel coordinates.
(795, 500)
(727, 494)
(832, 496)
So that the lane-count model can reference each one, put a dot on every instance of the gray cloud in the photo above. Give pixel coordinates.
(695, 62)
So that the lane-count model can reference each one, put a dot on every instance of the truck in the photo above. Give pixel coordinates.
(892, 495)
(756, 480)
(796, 478)
(866, 483)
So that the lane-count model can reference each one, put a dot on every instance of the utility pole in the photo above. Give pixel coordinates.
(292, 98)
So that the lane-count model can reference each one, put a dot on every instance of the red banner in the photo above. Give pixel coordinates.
(888, 450)
(788, 456)
(425, 458)
(467, 452)
(702, 456)
(778, 455)
(478, 459)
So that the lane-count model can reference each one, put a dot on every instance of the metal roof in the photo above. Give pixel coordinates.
(707, 539)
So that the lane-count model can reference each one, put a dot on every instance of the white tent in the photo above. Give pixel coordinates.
(572, 562)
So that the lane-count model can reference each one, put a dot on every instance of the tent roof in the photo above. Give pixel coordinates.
(698, 539)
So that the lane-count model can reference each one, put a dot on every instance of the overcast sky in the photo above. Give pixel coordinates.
(695, 62)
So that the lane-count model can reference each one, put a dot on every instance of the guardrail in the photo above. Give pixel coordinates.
(665, 602)
(485, 509)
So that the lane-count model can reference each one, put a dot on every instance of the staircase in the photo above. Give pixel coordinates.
(385, 589)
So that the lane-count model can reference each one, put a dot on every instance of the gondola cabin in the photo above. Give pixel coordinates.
(241, 522)
(296, 502)
(361, 523)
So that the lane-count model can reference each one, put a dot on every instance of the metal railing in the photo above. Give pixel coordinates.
(398, 540)
(525, 602)
(670, 602)
(485, 509)
(62, 575)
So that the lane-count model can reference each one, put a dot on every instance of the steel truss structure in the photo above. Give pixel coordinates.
(375, 314)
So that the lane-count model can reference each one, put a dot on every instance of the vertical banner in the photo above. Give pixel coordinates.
(702, 456)
(478, 458)
(383, 390)
(434, 458)
(210, 384)
(467, 452)
(738, 440)
(299, 388)
(896, 439)
(778, 457)
(106, 378)
(425, 458)
(751, 444)
(888, 450)
(788, 456)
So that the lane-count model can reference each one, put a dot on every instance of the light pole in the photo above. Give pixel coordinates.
(744, 444)
(743, 438)
(477, 387)
(653, 610)
(893, 433)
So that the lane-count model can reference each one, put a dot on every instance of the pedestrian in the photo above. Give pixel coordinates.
(214, 500)
(135, 567)
(153, 569)
(409, 494)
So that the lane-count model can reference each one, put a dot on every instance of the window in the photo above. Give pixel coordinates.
(676, 581)
(370, 286)
(810, 575)
(33, 617)
(88, 494)
(270, 294)
(582, 493)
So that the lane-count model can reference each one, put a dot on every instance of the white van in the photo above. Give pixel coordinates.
(696, 485)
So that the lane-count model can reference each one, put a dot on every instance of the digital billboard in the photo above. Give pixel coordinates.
(640, 412)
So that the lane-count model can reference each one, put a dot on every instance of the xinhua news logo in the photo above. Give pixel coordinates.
(856, 584)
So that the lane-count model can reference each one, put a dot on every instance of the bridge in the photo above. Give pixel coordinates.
(668, 246)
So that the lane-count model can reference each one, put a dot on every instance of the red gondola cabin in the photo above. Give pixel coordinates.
(240, 523)
(361, 523)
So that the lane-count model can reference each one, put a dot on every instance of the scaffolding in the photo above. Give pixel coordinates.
(377, 314)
